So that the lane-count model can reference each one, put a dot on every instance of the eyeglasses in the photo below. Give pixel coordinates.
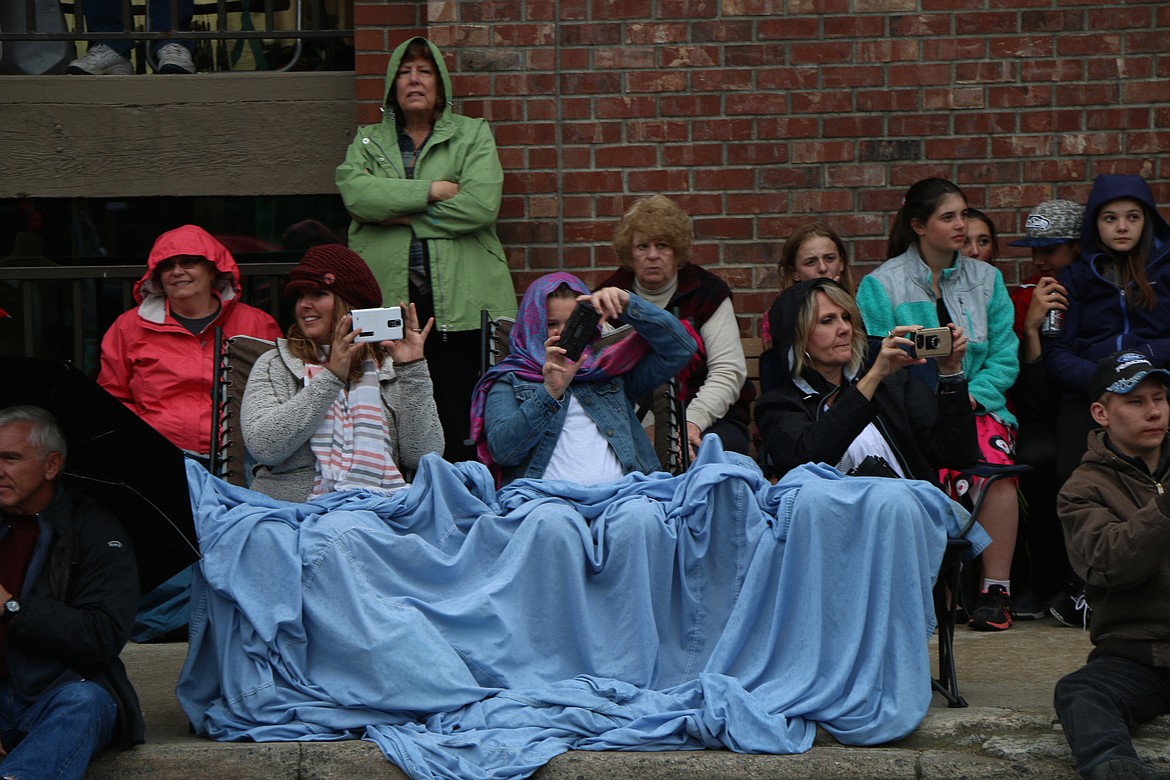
(186, 262)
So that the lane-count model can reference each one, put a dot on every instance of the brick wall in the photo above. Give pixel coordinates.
(761, 114)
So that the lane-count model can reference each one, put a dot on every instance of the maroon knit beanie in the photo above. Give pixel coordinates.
(335, 269)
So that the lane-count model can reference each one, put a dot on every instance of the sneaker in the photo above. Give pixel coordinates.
(993, 610)
(1026, 605)
(174, 58)
(1071, 609)
(101, 60)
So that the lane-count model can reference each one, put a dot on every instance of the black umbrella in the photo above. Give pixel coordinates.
(116, 456)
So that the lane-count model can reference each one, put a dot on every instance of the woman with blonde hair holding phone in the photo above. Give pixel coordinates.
(324, 412)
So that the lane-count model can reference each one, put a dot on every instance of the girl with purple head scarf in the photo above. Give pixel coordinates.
(538, 414)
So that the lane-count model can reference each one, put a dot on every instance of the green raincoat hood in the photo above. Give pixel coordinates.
(392, 71)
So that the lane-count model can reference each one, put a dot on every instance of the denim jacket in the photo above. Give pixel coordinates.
(523, 422)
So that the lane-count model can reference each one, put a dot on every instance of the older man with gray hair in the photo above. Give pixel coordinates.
(68, 594)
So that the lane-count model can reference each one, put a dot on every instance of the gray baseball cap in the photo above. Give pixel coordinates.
(1052, 222)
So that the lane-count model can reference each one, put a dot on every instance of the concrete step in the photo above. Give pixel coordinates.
(1007, 732)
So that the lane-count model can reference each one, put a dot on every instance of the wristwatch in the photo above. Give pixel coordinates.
(11, 608)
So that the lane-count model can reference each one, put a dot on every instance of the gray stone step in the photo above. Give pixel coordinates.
(1007, 732)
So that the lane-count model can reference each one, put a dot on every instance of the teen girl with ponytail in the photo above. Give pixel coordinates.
(928, 282)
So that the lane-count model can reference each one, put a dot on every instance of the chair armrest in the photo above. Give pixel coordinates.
(991, 473)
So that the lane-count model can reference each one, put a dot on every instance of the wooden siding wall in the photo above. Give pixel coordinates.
(150, 135)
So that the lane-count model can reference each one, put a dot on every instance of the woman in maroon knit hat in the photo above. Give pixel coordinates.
(320, 387)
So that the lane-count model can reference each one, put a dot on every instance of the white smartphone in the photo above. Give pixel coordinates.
(378, 324)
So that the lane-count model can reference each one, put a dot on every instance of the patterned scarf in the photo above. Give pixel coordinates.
(352, 445)
(526, 360)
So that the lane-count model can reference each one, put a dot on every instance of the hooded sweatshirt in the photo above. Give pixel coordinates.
(1100, 319)
(926, 431)
(158, 368)
(466, 269)
(1116, 518)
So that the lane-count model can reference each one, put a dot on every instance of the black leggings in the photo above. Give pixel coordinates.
(453, 360)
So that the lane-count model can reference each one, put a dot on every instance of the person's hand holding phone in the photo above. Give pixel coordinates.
(894, 355)
(343, 349)
(411, 346)
(558, 371)
(609, 302)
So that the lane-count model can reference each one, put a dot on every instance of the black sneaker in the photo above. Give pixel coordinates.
(1070, 607)
(1026, 606)
(993, 610)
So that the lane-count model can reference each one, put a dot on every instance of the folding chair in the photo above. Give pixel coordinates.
(947, 585)
(236, 356)
(493, 339)
(666, 406)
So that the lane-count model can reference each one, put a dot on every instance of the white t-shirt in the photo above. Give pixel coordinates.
(869, 442)
(582, 454)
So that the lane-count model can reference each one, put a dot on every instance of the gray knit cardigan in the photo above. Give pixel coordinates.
(280, 413)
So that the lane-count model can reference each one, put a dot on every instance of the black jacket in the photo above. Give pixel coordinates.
(77, 608)
(926, 430)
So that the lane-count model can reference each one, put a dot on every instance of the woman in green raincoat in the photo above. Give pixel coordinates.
(423, 188)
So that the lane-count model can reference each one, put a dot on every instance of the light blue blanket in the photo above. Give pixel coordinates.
(476, 634)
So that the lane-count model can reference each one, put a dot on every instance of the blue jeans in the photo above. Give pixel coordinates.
(55, 737)
(106, 16)
(1099, 703)
(164, 609)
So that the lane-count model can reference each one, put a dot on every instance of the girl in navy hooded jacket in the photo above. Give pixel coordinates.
(1118, 298)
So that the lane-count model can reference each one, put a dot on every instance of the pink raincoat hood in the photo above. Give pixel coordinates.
(185, 240)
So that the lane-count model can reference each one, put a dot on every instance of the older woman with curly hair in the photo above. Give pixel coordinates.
(653, 242)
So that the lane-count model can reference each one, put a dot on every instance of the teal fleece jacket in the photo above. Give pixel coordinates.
(468, 269)
(899, 292)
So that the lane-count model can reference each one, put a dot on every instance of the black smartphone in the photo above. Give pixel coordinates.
(579, 331)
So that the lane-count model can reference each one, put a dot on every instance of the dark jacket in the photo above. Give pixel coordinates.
(926, 430)
(77, 608)
(1101, 319)
(1116, 518)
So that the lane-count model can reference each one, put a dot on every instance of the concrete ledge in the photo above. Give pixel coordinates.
(1007, 732)
(340, 761)
(246, 761)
